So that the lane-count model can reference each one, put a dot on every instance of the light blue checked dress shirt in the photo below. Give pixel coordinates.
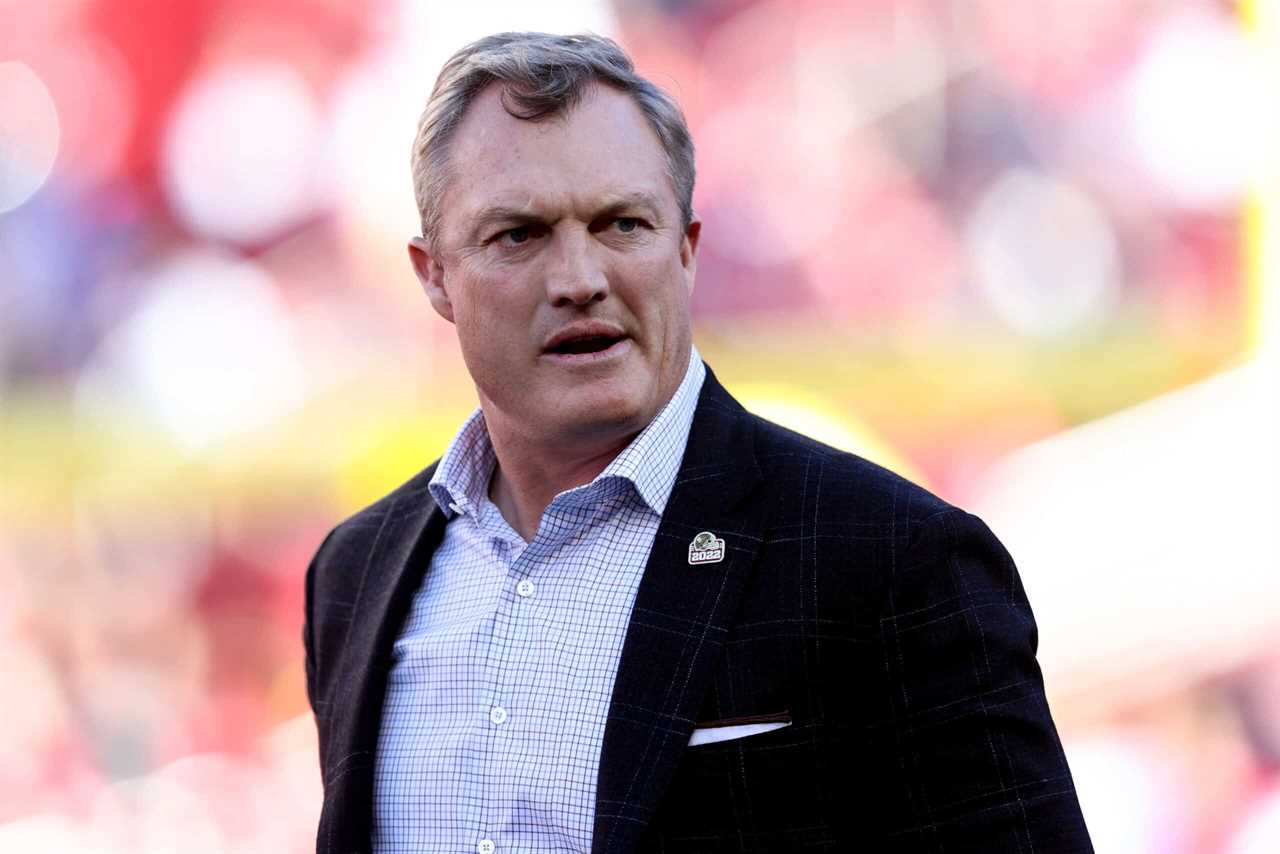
(502, 674)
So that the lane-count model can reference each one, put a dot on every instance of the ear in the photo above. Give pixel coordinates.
(430, 273)
(689, 249)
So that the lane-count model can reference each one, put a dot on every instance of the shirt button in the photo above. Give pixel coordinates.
(525, 588)
(486, 846)
(497, 715)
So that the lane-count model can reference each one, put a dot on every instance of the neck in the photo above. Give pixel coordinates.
(529, 475)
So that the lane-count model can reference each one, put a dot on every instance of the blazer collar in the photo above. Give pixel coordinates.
(682, 614)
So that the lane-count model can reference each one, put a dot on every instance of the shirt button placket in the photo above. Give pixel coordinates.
(485, 846)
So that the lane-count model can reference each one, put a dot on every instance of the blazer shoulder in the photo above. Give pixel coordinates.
(354, 533)
(843, 481)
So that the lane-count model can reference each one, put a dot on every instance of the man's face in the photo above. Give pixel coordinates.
(562, 261)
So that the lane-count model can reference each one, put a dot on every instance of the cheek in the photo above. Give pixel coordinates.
(490, 312)
(677, 290)
(663, 315)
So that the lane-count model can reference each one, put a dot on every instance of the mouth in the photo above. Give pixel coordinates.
(589, 349)
(588, 344)
(587, 341)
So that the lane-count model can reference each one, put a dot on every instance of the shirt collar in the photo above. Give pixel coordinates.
(651, 462)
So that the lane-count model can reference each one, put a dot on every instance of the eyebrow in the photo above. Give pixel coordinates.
(630, 201)
(614, 204)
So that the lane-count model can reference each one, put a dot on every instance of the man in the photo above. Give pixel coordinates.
(620, 613)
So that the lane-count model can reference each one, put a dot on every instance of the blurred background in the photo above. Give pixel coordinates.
(1025, 253)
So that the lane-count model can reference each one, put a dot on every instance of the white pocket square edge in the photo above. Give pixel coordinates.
(712, 734)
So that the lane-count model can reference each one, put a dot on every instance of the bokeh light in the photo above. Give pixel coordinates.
(1044, 254)
(241, 151)
(1201, 117)
(28, 134)
(209, 353)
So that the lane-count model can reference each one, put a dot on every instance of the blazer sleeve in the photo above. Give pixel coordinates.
(310, 651)
(975, 761)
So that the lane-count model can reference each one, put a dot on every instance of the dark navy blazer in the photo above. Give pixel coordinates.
(889, 627)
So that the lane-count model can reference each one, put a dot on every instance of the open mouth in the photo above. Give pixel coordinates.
(591, 344)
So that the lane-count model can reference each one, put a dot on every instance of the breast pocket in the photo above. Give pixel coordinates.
(761, 792)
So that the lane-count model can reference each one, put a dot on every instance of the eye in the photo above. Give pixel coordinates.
(627, 224)
(519, 235)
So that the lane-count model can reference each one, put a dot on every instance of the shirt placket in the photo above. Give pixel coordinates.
(505, 700)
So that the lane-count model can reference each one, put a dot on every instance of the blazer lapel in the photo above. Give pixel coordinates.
(681, 616)
(410, 531)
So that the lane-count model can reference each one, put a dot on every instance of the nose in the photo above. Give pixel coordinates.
(575, 277)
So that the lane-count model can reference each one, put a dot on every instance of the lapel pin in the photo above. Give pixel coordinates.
(706, 548)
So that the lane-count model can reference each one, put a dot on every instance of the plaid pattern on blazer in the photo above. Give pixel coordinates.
(888, 627)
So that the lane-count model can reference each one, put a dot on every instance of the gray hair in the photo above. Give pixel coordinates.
(542, 75)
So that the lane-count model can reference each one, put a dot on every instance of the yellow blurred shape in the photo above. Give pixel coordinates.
(815, 417)
(1261, 231)
(389, 453)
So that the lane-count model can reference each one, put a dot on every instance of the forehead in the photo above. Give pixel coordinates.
(603, 147)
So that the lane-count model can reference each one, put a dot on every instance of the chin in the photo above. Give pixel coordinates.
(603, 416)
